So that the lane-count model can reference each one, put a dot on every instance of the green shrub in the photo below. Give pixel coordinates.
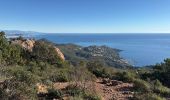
(80, 74)
(17, 90)
(15, 54)
(75, 98)
(99, 70)
(148, 96)
(91, 97)
(126, 76)
(22, 75)
(75, 91)
(3, 94)
(162, 72)
(9, 53)
(59, 74)
(159, 88)
(44, 52)
(60, 77)
(141, 86)
(54, 94)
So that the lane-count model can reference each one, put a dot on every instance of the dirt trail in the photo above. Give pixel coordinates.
(107, 89)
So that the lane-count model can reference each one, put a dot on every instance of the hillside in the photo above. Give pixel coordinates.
(16, 33)
(36, 70)
(105, 55)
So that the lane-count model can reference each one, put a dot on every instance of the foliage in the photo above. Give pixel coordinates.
(24, 69)
(60, 76)
(43, 52)
(159, 72)
(54, 94)
(144, 82)
(141, 86)
(126, 76)
(162, 72)
(160, 89)
(99, 70)
(16, 90)
(22, 75)
(9, 53)
(79, 92)
(148, 96)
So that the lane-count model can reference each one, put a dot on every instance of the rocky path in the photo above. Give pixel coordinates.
(107, 89)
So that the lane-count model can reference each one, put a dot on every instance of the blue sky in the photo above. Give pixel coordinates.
(86, 16)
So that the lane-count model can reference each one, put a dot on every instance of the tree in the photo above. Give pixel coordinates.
(3, 47)
(3, 40)
(15, 54)
(162, 72)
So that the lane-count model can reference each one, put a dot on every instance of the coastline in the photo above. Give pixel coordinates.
(134, 47)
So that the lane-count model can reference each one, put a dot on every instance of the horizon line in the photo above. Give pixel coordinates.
(91, 32)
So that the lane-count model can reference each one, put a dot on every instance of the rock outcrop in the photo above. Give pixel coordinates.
(28, 44)
(60, 54)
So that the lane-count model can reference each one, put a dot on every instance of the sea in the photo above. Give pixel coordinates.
(138, 49)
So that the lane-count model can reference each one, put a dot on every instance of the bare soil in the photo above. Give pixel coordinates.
(105, 88)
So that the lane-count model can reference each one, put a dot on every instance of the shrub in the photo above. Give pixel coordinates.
(59, 77)
(22, 75)
(16, 90)
(75, 91)
(54, 94)
(3, 40)
(80, 74)
(159, 88)
(162, 72)
(126, 76)
(91, 97)
(148, 96)
(9, 53)
(15, 54)
(3, 94)
(59, 74)
(45, 52)
(141, 86)
(99, 70)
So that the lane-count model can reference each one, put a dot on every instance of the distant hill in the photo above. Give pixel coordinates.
(105, 55)
(16, 33)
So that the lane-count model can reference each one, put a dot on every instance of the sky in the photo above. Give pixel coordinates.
(86, 16)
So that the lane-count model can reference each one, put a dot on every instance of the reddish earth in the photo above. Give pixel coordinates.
(105, 88)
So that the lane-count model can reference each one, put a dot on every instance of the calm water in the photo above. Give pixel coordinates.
(138, 49)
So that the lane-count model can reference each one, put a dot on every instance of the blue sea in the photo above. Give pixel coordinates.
(138, 49)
